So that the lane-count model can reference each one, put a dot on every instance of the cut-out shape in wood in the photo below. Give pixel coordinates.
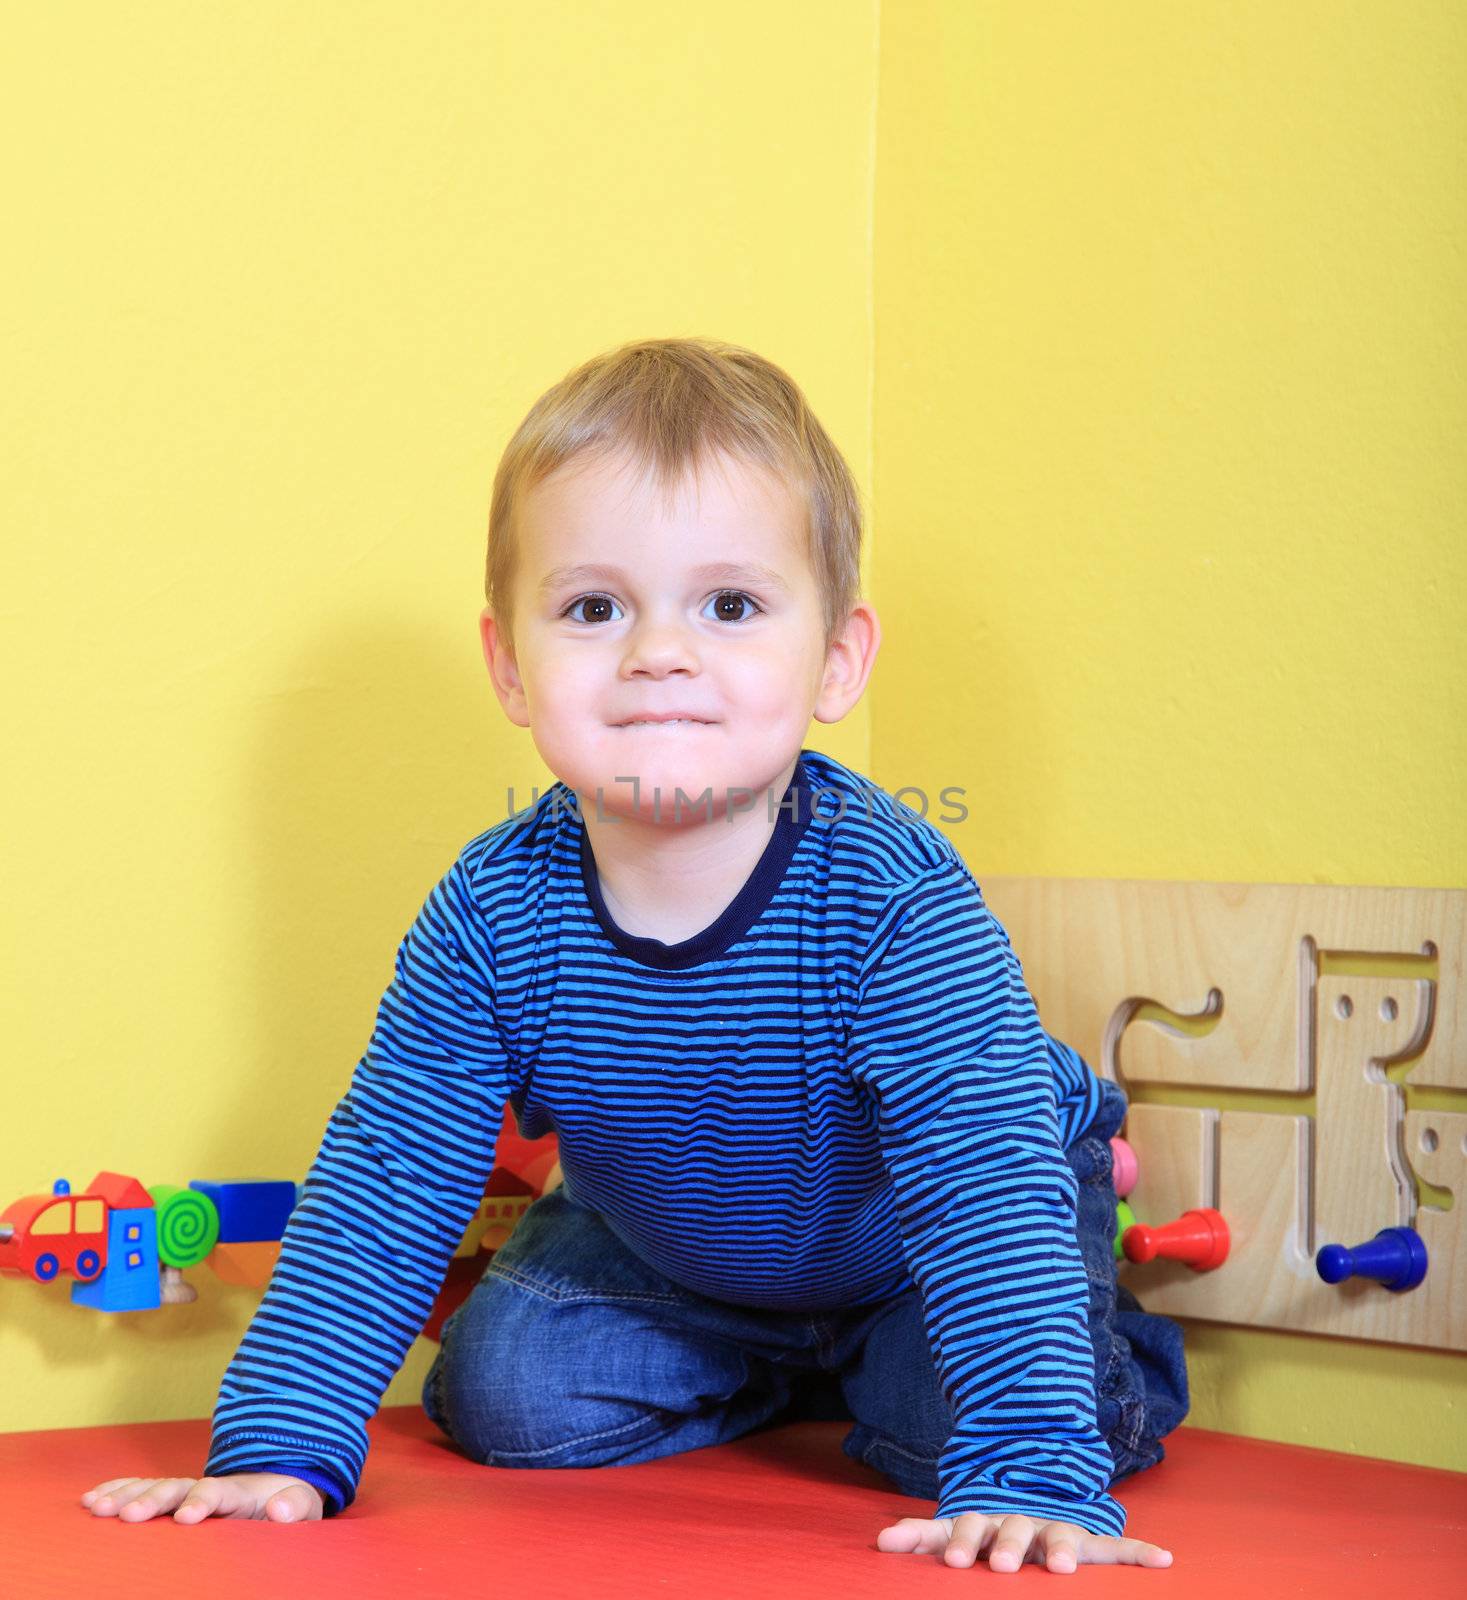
(1320, 1008)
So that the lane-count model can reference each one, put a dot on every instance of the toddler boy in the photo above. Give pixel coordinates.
(810, 1126)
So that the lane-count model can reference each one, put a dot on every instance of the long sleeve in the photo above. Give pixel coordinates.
(400, 1172)
(947, 1043)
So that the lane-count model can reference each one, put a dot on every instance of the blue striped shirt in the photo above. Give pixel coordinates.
(847, 1060)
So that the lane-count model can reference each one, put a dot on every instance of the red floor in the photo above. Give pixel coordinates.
(778, 1513)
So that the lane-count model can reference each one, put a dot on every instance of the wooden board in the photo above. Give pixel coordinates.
(1274, 1041)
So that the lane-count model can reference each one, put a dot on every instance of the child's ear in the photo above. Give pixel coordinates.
(504, 672)
(849, 662)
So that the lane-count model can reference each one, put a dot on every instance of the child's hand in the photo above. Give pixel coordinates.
(262, 1496)
(1009, 1540)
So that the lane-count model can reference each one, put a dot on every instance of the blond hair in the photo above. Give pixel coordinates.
(671, 404)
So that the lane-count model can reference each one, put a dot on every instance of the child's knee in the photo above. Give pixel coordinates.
(525, 1381)
(494, 1384)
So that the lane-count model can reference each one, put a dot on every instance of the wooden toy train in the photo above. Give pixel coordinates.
(127, 1246)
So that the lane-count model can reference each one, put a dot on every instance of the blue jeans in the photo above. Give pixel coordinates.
(572, 1352)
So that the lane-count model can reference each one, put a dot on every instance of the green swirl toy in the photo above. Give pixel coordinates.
(188, 1225)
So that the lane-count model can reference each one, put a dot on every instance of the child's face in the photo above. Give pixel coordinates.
(658, 629)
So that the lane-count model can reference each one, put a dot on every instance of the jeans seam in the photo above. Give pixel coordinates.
(547, 1291)
(882, 1441)
(568, 1444)
(1131, 1439)
(824, 1342)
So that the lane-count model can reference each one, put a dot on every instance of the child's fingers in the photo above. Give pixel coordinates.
(162, 1495)
(246, 1495)
(143, 1498)
(298, 1503)
(1060, 1552)
(916, 1534)
(123, 1492)
(1007, 1539)
(1102, 1550)
(97, 1491)
(1010, 1546)
(207, 1498)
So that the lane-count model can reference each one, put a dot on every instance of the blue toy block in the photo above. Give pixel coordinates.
(250, 1209)
(130, 1280)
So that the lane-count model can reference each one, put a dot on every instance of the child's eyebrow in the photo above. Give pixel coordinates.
(727, 571)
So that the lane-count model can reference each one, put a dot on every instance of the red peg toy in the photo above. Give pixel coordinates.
(1200, 1238)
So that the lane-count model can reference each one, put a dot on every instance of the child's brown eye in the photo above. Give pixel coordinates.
(734, 597)
(576, 607)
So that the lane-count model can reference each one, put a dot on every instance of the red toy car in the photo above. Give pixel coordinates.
(43, 1234)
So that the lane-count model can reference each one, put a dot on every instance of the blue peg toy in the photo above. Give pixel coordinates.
(1396, 1256)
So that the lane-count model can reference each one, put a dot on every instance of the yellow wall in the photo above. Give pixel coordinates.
(291, 276)
(1139, 326)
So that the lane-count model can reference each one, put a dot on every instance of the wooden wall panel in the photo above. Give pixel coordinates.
(1272, 1039)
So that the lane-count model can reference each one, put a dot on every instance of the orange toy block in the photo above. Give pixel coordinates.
(250, 1263)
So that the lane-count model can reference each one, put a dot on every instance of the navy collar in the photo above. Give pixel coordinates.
(743, 910)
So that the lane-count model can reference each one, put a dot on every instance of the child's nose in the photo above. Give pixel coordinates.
(661, 645)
